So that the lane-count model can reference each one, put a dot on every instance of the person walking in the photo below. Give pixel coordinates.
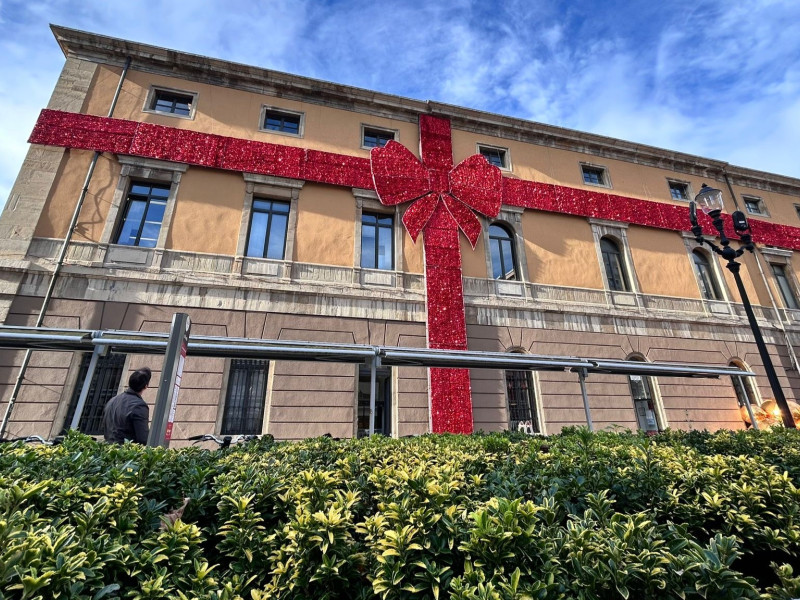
(126, 415)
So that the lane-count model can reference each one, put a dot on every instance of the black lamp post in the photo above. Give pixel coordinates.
(710, 201)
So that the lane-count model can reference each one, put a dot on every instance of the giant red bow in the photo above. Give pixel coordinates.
(472, 184)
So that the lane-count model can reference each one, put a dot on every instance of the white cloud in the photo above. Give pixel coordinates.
(708, 77)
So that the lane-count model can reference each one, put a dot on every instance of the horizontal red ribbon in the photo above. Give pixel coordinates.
(88, 132)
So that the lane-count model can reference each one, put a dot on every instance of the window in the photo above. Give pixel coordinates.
(501, 246)
(614, 265)
(372, 137)
(785, 286)
(679, 190)
(644, 403)
(383, 421)
(144, 212)
(797, 210)
(746, 393)
(171, 102)
(268, 226)
(754, 205)
(244, 401)
(377, 251)
(104, 386)
(496, 156)
(706, 276)
(281, 121)
(521, 399)
(593, 175)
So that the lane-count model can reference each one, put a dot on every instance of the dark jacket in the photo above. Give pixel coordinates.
(125, 417)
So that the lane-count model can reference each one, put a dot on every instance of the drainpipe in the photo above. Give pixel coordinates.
(61, 256)
(759, 257)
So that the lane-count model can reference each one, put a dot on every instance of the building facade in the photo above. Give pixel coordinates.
(250, 199)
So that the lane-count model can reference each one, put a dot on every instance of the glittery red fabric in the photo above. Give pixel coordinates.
(443, 200)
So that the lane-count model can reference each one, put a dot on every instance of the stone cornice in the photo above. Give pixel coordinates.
(162, 61)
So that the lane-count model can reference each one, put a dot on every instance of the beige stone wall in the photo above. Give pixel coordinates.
(63, 197)
(560, 250)
(662, 264)
(236, 113)
(326, 225)
(208, 212)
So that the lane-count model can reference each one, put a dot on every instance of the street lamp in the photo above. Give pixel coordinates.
(710, 201)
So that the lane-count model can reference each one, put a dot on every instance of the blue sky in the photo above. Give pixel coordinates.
(719, 79)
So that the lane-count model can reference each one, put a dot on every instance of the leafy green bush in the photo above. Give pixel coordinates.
(489, 517)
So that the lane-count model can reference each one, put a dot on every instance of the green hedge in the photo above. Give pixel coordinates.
(494, 517)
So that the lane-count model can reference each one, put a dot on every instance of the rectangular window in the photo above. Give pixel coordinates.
(104, 386)
(679, 190)
(144, 212)
(785, 286)
(797, 210)
(496, 156)
(376, 138)
(244, 402)
(594, 175)
(521, 402)
(754, 205)
(383, 395)
(377, 244)
(174, 103)
(282, 121)
(269, 220)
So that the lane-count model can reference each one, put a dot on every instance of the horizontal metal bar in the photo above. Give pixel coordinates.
(629, 367)
(215, 346)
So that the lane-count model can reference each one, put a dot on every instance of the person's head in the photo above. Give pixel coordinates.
(139, 379)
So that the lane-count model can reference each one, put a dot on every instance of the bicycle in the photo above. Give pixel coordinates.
(223, 442)
(34, 439)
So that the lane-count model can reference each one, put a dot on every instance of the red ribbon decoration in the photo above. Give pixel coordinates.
(443, 199)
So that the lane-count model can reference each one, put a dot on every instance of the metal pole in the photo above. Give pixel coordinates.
(170, 383)
(87, 384)
(772, 376)
(60, 261)
(582, 379)
(373, 390)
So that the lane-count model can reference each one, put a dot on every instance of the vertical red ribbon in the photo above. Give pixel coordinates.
(450, 391)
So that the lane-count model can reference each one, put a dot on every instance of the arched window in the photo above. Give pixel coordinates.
(504, 259)
(706, 276)
(614, 265)
(745, 392)
(522, 414)
(644, 402)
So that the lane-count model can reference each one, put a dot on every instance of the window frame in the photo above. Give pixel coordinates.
(126, 208)
(367, 200)
(505, 155)
(620, 264)
(152, 98)
(225, 404)
(268, 230)
(762, 210)
(651, 383)
(788, 292)
(510, 239)
(384, 382)
(713, 277)
(606, 176)
(365, 127)
(266, 109)
(378, 215)
(277, 189)
(686, 186)
(142, 170)
(110, 362)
